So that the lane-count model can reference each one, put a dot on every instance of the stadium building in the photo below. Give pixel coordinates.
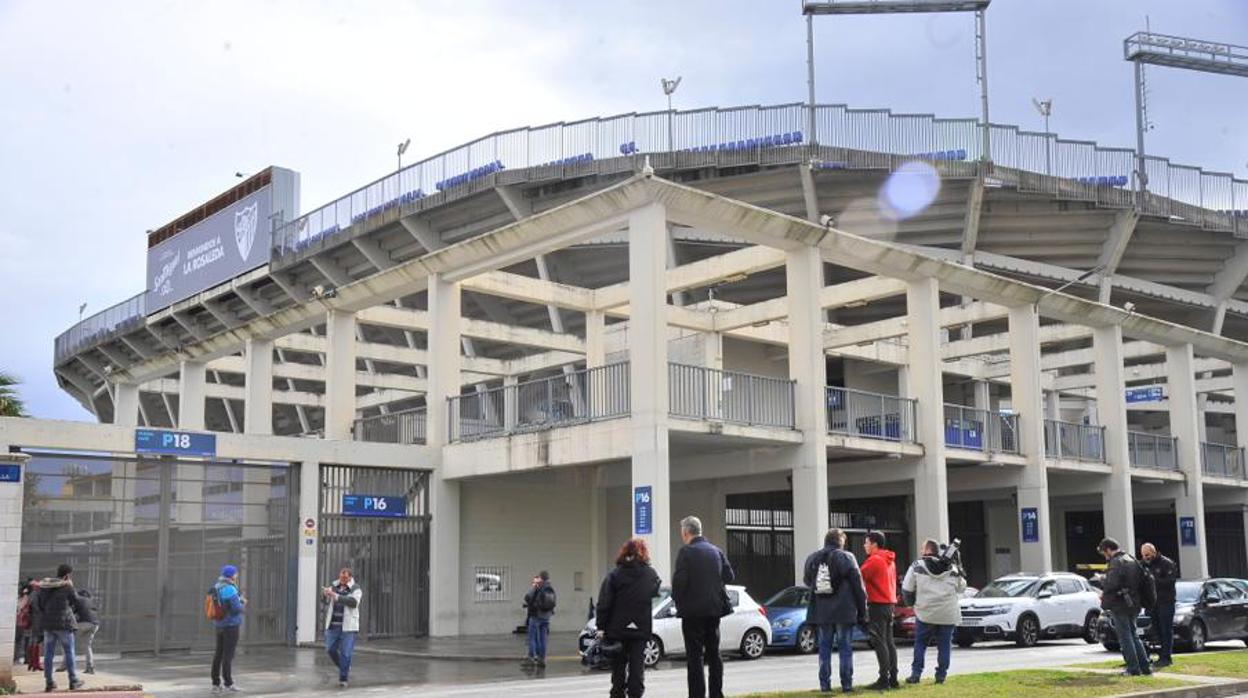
(516, 354)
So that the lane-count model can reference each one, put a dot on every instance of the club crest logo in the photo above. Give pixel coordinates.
(162, 284)
(245, 228)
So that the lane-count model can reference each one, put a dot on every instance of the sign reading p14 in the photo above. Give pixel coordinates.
(174, 443)
(374, 505)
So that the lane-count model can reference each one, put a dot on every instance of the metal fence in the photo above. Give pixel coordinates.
(1153, 450)
(1070, 441)
(871, 415)
(729, 396)
(405, 427)
(980, 430)
(1222, 460)
(88, 332)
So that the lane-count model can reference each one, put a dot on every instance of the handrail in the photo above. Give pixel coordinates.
(402, 427)
(871, 415)
(730, 396)
(1152, 450)
(980, 430)
(1071, 440)
(1222, 460)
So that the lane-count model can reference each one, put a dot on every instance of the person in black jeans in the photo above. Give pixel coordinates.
(624, 615)
(1165, 572)
(701, 600)
(232, 603)
(1121, 598)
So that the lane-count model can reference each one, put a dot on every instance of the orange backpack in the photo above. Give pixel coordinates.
(213, 610)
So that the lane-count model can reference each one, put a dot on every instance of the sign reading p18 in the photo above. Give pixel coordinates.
(174, 443)
(373, 505)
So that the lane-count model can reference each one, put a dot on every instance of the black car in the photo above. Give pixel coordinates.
(1204, 611)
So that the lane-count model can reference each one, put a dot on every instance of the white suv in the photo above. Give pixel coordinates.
(1027, 608)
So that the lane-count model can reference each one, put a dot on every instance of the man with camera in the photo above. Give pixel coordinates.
(838, 602)
(933, 585)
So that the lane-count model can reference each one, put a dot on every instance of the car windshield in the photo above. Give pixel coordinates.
(786, 598)
(658, 600)
(1008, 587)
(1187, 592)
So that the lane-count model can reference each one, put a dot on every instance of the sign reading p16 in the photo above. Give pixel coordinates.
(374, 505)
(174, 443)
(643, 511)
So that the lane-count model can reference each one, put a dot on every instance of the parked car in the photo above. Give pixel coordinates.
(1027, 608)
(745, 631)
(786, 610)
(1204, 611)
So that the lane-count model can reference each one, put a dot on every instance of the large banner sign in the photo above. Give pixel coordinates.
(227, 243)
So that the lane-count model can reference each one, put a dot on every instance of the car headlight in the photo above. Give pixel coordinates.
(784, 623)
(995, 610)
(1182, 616)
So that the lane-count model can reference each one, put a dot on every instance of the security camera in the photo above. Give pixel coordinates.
(826, 221)
(1129, 307)
(318, 291)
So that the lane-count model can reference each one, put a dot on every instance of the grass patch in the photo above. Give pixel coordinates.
(1039, 683)
(1232, 664)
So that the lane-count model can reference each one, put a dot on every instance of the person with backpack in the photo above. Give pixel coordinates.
(701, 601)
(933, 585)
(624, 615)
(342, 621)
(1123, 592)
(540, 602)
(87, 629)
(838, 602)
(57, 609)
(27, 623)
(224, 607)
(1165, 573)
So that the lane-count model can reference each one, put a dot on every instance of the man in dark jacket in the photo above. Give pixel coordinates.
(58, 608)
(1165, 572)
(540, 602)
(838, 602)
(1121, 597)
(701, 600)
(624, 615)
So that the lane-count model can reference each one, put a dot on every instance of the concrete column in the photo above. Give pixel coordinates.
(1052, 405)
(1185, 426)
(808, 369)
(126, 404)
(258, 361)
(1202, 404)
(339, 374)
(981, 397)
(1239, 383)
(192, 383)
(1111, 408)
(510, 402)
(444, 380)
(10, 557)
(308, 610)
(647, 333)
(595, 338)
(931, 488)
(1027, 401)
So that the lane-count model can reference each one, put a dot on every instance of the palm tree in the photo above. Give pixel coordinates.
(10, 402)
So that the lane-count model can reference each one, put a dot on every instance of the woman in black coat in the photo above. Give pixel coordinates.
(624, 615)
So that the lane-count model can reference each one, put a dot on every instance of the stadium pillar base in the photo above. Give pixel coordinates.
(339, 374)
(1111, 406)
(1189, 506)
(808, 370)
(258, 405)
(445, 319)
(126, 406)
(1027, 400)
(192, 381)
(309, 546)
(926, 385)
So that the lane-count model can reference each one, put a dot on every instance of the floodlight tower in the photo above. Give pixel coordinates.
(1045, 108)
(402, 148)
(875, 7)
(669, 87)
(1147, 47)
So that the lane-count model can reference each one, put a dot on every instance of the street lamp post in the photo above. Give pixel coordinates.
(1045, 108)
(403, 149)
(669, 86)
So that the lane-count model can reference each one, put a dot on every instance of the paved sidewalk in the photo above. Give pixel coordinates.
(100, 684)
(561, 646)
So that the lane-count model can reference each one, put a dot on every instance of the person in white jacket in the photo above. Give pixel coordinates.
(933, 585)
(342, 621)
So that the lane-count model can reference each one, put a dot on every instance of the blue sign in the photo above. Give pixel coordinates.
(374, 505)
(643, 511)
(10, 472)
(1031, 524)
(1187, 530)
(175, 443)
(1152, 393)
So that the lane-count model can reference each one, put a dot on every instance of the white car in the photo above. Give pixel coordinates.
(1027, 608)
(745, 631)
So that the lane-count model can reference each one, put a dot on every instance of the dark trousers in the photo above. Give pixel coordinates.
(223, 656)
(942, 637)
(628, 670)
(841, 637)
(1163, 620)
(702, 642)
(880, 630)
(1133, 650)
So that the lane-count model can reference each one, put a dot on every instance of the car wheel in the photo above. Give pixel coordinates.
(807, 640)
(1089, 628)
(753, 644)
(1198, 637)
(965, 642)
(1110, 646)
(653, 652)
(1028, 632)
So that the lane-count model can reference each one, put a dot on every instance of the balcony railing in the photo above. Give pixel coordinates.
(980, 430)
(1153, 450)
(698, 392)
(1070, 441)
(88, 332)
(405, 427)
(870, 415)
(1222, 460)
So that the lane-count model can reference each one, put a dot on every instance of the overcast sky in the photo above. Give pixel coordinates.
(115, 117)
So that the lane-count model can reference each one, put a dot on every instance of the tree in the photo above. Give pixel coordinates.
(10, 402)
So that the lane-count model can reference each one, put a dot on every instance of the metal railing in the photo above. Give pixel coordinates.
(980, 430)
(89, 331)
(729, 396)
(871, 415)
(1070, 441)
(1222, 460)
(1153, 450)
(574, 397)
(404, 427)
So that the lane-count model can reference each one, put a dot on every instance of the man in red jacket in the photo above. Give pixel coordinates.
(879, 574)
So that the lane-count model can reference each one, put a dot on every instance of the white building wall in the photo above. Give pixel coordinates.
(873, 378)
(1001, 518)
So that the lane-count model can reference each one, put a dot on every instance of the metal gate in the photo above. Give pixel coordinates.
(389, 556)
(147, 537)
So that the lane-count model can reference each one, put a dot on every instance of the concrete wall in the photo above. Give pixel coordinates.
(752, 357)
(10, 559)
(872, 377)
(1001, 518)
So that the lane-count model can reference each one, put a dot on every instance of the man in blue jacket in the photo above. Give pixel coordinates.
(838, 602)
(228, 626)
(701, 600)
